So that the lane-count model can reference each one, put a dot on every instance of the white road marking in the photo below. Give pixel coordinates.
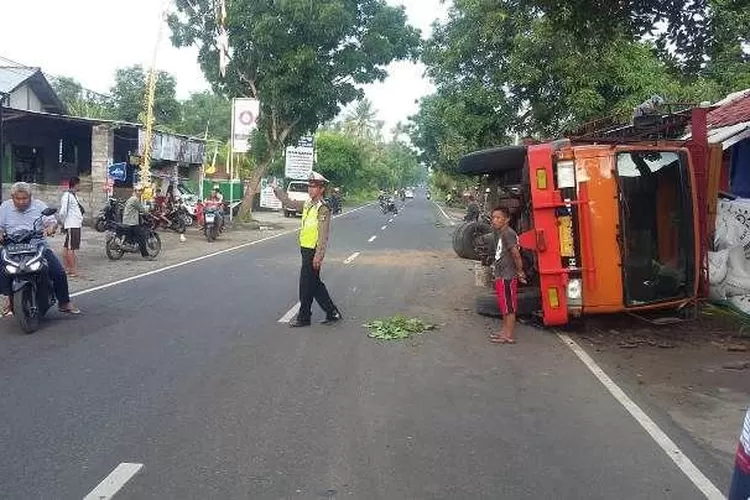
(669, 447)
(198, 259)
(372, 238)
(290, 314)
(383, 228)
(450, 221)
(351, 258)
(114, 482)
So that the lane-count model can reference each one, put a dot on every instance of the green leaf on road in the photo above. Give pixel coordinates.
(396, 328)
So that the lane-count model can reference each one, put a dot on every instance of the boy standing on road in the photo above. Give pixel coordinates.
(508, 271)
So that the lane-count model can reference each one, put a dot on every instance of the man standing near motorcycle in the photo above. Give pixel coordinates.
(313, 240)
(18, 214)
(71, 215)
(131, 217)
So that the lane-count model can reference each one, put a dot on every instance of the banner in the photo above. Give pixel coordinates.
(299, 162)
(244, 115)
(267, 198)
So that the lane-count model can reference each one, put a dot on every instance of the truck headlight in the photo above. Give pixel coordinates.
(574, 290)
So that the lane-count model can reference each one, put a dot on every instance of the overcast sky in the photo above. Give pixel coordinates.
(89, 39)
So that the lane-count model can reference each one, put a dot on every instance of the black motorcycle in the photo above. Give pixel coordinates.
(120, 241)
(33, 293)
(388, 205)
(335, 204)
(110, 213)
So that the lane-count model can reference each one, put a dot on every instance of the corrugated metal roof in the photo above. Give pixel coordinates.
(13, 76)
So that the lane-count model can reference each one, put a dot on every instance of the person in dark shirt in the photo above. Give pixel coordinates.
(508, 271)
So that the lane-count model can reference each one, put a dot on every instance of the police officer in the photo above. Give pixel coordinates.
(313, 239)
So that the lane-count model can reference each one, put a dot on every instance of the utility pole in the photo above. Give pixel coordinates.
(3, 96)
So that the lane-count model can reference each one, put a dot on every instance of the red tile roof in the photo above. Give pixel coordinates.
(735, 111)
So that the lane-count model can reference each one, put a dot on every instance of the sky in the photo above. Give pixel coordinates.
(89, 39)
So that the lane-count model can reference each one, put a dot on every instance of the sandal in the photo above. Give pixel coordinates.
(70, 310)
(6, 309)
(502, 340)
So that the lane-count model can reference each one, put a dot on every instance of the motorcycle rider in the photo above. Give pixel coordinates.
(131, 218)
(18, 214)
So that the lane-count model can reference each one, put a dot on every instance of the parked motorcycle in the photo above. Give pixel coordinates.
(172, 220)
(23, 258)
(119, 242)
(111, 212)
(213, 221)
(429, 196)
(183, 211)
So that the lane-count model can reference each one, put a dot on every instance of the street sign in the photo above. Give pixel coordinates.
(267, 198)
(244, 115)
(299, 162)
(306, 141)
(118, 171)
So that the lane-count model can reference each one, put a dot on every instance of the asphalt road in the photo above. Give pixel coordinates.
(189, 373)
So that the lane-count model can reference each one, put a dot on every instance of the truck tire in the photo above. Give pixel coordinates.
(493, 161)
(470, 239)
(457, 238)
(529, 302)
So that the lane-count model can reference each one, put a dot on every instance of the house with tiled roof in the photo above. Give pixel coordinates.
(26, 88)
(729, 127)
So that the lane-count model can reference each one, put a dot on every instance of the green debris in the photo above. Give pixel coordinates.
(397, 328)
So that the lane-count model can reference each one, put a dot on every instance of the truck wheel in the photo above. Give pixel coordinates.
(457, 239)
(470, 234)
(529, 302)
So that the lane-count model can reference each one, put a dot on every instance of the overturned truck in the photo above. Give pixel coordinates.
(610, 220)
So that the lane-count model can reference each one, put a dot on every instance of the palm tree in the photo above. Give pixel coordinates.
(360, 122)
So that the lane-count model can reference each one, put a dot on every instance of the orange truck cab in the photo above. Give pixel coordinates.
(611, 225)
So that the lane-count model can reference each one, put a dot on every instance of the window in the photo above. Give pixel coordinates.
(657, 226)
(28, 164)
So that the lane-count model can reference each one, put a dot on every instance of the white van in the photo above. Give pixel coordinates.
(296, 190)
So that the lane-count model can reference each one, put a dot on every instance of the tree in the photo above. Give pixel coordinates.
(206, 111)
(303, 60)
(129, 96)
(79, 101)
(361, 123)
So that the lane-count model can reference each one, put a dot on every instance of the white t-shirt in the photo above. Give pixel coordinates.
(70, 211)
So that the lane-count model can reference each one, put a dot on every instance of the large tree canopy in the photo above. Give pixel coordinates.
(538, 67)
(129, 96)
(303, 60)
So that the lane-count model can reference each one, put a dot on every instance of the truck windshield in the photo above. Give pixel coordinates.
(657, 231)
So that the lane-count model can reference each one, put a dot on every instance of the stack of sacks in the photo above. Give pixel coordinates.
(729, 265)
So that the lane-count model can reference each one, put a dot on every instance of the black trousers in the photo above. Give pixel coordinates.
(311, 287)
(138, 235)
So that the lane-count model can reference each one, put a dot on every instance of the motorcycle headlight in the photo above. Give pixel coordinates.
(34, 266)
(11, 269)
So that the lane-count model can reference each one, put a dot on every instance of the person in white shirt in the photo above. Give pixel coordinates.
(71, 215)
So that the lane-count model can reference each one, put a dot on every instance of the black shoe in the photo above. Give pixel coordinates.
(332, 318)
(297, 323)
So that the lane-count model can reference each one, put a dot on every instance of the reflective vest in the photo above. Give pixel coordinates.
(308, 235)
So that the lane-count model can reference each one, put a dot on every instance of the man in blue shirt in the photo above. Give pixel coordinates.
(17, 214)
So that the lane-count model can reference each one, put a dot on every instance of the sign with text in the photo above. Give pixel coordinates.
(244, 116)
(267, 198)
(118, 171)
(299, 162)
(306, 141)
